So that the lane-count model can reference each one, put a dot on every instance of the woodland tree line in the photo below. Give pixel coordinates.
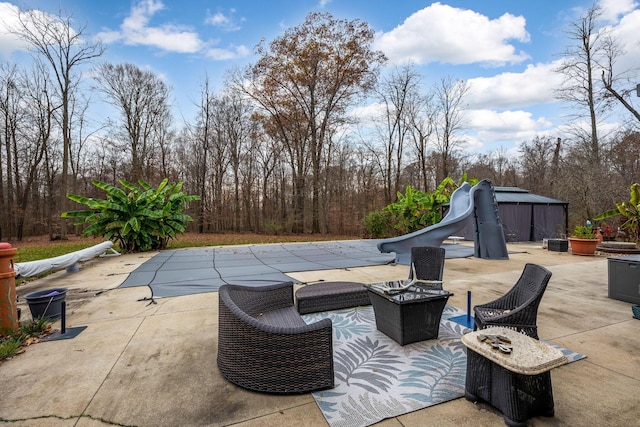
(276, 150)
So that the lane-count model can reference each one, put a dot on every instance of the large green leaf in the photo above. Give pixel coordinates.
(137, 217)
(415, 209)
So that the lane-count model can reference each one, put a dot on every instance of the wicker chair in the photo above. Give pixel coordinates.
(428, 264)
(518, 308)
(264, 345)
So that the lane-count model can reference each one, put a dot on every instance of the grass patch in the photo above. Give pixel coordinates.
(190, 240)
(28, 333)
(9, 347)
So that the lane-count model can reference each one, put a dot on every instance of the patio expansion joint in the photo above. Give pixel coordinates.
(277, 412)
(69, 417)
(115, 363)
(575, 334)
(591, 362)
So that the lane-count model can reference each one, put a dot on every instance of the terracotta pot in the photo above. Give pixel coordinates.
(583, 246)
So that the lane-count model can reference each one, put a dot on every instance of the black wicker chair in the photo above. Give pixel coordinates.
(264, 345)
(518, 308)
(428, 264)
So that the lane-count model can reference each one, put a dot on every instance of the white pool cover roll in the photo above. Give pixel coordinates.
(68, 261)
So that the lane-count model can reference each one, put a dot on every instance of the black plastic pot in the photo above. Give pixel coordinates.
(46, 303)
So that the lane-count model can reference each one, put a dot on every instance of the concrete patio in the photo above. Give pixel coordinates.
(154, 364)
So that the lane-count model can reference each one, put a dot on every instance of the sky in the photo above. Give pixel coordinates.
(506, 50)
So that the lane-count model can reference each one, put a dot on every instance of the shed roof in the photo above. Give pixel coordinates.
(519, 195)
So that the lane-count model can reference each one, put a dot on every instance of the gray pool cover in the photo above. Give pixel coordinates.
(191, 271)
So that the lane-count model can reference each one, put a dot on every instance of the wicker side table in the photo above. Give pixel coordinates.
(331, 296)
(519, 383)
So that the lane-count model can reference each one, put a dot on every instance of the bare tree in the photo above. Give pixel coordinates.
(268, 155)
(232, 128)
(449, 99)
(142, 99)
(537, 164)
(40, 111)
(612, 50)
(399, 95)
(496, 166)
(64, 49)
(200, 140)
(581, 61)
(304, 81)
(12, 113)
(423, 126)
(624, 158)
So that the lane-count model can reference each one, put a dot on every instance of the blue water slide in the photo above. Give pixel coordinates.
(476, 204)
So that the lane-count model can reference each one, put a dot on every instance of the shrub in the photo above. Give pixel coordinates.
(271, 227)
(416, 210)
(377, 224)
(137, 218)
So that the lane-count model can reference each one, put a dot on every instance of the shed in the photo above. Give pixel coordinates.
(528, 217)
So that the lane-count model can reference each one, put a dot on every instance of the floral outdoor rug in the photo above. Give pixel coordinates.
(377, 378)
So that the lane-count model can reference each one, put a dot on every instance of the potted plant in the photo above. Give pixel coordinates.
(629, 213)
(583, 241)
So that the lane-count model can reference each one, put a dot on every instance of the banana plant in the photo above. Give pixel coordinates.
(137, 218)
(415, 209)
(629, 212)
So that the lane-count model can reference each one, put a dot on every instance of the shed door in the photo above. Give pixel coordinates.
(548, 221)
(516, 221)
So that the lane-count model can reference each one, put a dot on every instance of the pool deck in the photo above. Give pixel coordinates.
(139, 363)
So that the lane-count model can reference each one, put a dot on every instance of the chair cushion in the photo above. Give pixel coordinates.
(282, 317)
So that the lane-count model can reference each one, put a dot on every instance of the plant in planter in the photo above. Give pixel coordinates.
(583, 241)
(629, 213)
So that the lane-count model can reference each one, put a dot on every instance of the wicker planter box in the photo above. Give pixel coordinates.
(409, 317)
(558, 245)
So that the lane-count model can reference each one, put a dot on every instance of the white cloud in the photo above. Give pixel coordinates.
(441, 33)
(508, 122)
(535, 85)
(612, 9)
(9, 20)
(233, 52)
(135, 30)
(368, 114)
(10, 17)
(225, 22)
(627, 36)
(489, 128)
(218, 19)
